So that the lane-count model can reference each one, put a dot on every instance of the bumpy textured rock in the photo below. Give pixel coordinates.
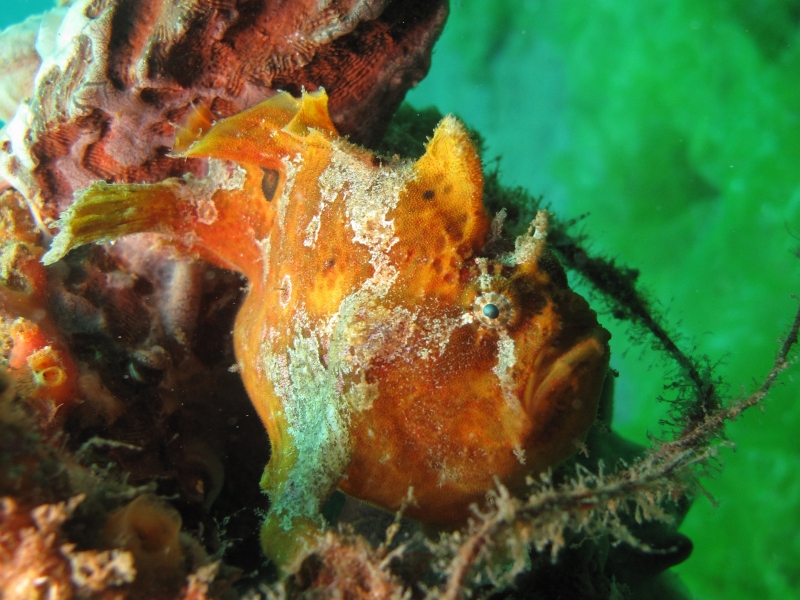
(114, 76)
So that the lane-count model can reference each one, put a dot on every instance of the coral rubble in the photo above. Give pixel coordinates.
(37, 562)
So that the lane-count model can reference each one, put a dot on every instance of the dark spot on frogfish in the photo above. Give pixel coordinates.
(269, 183)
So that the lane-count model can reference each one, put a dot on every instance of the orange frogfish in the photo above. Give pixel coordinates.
(383, 347)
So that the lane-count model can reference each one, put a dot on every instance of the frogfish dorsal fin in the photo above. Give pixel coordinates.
(442, 221)
(267, 132)
(312, 114)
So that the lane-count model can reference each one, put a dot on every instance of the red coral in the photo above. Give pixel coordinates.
(42, 364)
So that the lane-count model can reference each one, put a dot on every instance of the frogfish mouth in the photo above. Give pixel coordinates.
(383, 347)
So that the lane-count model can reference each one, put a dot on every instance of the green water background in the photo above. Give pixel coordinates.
(676, 126)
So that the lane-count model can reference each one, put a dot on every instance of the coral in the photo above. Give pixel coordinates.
(348, 566)
(39, 363)
(36, 563)
(107, 539)
(199, 583)
(43, 371)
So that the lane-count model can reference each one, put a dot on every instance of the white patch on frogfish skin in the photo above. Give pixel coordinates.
(236, 179)
(206, 211)
(320, 379)
(285, 292)
(484, 279)
(265, 248)
(378, 333)
(291, 166)
(312, 231)
(369, 194)
(529, 246)
(317, 417)
(361, 394)
(329, 190)
(199, 192)
(447, 474)
(506, 359)
(436, 335)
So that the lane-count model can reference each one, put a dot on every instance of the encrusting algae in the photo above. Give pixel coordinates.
(384, 344)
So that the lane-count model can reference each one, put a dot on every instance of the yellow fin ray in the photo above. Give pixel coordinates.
(312, 113)
(104, 212)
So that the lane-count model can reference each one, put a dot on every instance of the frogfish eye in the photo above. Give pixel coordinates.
(493, 310)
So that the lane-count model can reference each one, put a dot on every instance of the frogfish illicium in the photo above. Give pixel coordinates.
(383, 346)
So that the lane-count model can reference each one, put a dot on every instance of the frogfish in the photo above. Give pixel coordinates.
(384, 345)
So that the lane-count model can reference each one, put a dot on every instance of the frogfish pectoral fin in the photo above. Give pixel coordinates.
(104, 212)
(222, 218)
(227, 212)
(294, 522)
(288, 546)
